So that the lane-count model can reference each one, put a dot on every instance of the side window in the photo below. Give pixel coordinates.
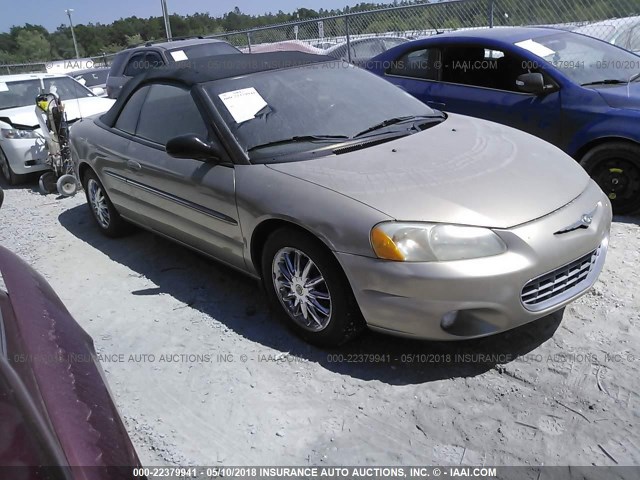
(141, 62)
(465, 65)
(135, 65)
(168, 112)
(153, 60)
(634, 40)
(622, 40)
(482, 67)
(118, 63)
(128, 118)
(366, 49)
(423, 64)
(391, 42)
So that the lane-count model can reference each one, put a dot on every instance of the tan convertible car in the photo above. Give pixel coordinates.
(356, 204)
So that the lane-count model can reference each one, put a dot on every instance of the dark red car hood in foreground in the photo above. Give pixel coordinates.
(55, 407)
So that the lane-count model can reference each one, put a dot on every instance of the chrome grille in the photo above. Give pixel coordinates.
(543, 291)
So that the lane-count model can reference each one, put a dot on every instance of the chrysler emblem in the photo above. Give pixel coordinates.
(584, 222)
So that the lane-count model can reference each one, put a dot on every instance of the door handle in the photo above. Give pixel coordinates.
(438, 105)
(133, 165)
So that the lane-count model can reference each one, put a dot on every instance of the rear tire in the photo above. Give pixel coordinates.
(8, 175)
(308, 290)
(615, 167)
(103, 212)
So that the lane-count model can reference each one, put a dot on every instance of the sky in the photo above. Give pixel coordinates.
(50, 13)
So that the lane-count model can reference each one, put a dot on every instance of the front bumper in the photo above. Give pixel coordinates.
(25, 155)
(480, 297)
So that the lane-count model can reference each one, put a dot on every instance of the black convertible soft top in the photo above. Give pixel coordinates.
(206, 69)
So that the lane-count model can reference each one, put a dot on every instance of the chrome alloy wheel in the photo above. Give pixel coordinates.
(301, 289)
(98, 203)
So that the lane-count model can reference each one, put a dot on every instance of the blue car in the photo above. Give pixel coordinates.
(578, 93)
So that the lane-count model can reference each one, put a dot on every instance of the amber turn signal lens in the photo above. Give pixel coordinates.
(384, 247)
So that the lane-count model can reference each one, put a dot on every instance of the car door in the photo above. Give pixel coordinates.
(190, 200)
(111, 156)
(480, 81)
(417, 71)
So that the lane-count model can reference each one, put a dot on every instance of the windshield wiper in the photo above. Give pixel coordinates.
(300, 138)
(396, 120)
(607, 81)
(634, 77)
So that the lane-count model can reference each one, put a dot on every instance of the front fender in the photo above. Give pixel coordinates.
(341, 223)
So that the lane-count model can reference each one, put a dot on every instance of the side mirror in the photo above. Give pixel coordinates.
(192, 146)
(98, 91)
(530, 83)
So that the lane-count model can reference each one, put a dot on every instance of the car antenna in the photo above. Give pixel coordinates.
(433, 25)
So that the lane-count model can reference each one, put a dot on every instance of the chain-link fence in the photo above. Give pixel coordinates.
(58, 66)
(364, 34)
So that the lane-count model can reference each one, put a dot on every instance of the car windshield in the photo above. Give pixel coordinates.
(585, 60)
(24, 92)
(91, 79)
(325, 102)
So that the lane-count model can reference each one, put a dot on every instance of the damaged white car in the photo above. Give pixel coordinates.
(22, 146)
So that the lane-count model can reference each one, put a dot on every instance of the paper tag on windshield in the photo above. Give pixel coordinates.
(3, 87)
(243, 104)
(535, 48)
(179, 55)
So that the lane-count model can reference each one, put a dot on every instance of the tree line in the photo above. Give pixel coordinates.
(34, 43)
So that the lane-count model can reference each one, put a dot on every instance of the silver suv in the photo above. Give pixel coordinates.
(136, 60)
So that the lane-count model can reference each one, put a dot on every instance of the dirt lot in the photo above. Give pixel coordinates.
(203, 375)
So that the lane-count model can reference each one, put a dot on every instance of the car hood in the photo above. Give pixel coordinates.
(622, 96)
(59, 372)
(464, 171)
(74, 108)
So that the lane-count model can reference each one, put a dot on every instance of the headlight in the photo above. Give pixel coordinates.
(14, 133)
(426, 242)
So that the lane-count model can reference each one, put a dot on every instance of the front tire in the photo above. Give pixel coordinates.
(307, 288)
(104, 213)
(7, 173)
(615, 167)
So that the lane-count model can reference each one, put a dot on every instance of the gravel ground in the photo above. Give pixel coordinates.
(203, 375)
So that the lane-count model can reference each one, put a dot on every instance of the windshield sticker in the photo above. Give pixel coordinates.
(535, 48)
(3, 87)
(243, 104)
(179, 55)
